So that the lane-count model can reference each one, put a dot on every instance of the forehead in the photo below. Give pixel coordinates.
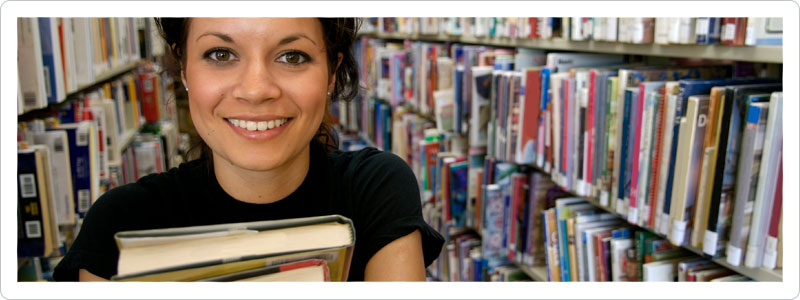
(263, 28)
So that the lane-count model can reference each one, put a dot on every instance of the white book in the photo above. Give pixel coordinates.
(661, 33)
(687, 31)
(479, 107)
(687, 168)
(62, 198)
(611, 29)
(557, 106)
(767, 181)
(69, 55)
(747, 177)
(645, 144)
(107, 107)
(81, 34)
(764, 31)
(674, 30)
(29, 66)
(591, 252)
(562, 62)
(618, 249)
(55, 48)
(661, 271)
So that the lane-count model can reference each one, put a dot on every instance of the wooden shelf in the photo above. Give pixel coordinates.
(765, 54)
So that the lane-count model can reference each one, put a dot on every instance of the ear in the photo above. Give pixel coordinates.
(332, 81)
(183, 78)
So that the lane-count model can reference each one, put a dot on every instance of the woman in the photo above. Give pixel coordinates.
(258, 93)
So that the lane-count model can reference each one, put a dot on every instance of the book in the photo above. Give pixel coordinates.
(62, 193)
(583, 224)
(32, 79)
(730, 128)
(747, 177)
(664, 270)
(764, 31)
(768, 172)
(36, 236)
(479, 117)
(305, 270)
(693, 264)
(161, 254)
(711, 138)
(51, 58)
(84, 157)
(772, 245)
(688, 163)
(733, 31)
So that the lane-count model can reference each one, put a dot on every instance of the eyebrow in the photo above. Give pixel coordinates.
(295, 37)
(221, 36)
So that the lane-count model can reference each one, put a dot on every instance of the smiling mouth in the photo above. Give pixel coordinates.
(258, 125)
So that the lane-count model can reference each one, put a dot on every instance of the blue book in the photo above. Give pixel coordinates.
(82, 146)
(458, 192)
(458, 98)
(624, 148)
(51, 60)
(31, 237)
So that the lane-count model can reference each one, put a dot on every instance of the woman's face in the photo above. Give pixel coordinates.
(257, 87)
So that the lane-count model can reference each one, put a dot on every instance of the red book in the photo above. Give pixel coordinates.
(149, 95)
(776, 206)
(587, 174)
(656, 165)
(478, 201)
(534, 23)
(526, 148)
(61, 45)
(518, 193)
(599, 255)
(733, 31)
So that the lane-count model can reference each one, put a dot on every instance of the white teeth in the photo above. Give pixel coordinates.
(258, 125)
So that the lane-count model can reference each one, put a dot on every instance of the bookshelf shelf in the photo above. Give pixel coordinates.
(765, 54)
(535, 273)
(109, 74)
(126, 138)
(759, 274)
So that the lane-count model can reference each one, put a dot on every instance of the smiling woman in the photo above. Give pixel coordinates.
(259, 91)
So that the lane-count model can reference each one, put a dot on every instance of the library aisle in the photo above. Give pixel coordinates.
(583, 149)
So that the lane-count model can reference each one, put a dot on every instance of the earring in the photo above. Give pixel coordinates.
(187, 89)
(329, 94)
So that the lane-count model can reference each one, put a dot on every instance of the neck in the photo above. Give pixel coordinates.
(262, 187)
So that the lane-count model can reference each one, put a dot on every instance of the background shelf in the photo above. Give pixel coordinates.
(765, 54)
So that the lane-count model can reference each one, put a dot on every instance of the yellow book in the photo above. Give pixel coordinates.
(205, 252)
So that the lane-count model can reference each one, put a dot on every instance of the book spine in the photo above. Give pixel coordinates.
(747, 177)
(771, 244)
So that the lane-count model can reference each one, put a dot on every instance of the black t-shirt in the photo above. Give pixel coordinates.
(375, 189)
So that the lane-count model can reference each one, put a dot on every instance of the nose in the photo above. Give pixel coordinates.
(256, 84)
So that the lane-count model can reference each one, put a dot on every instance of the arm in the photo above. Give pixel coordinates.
(400, 260)
(88, 276)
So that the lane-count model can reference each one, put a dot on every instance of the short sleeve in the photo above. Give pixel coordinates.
(390, 206)
(94, 249)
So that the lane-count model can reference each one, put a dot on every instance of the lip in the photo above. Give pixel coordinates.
(259, 135)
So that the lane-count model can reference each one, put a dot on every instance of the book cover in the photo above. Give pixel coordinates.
(706, 169)
(479, 118)
(62, 193)
(687, 169)
(768, 172)
(83, 150)
(34, 235)
(526, 150)
(772, 246)
(458, 192)
(304, 270)
(747, 177)
(159, 254)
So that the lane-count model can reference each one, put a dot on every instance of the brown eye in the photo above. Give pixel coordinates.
(293, 58)
(221, 55)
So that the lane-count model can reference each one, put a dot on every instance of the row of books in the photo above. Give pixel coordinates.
(602, 128)
(59, 56)
(702, 30)
(69, 155)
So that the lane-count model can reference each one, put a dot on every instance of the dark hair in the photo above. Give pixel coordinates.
(339, 34)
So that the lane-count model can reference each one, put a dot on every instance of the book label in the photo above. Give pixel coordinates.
(729, 32)
(604, 198)
(678, 232)
(734, 255)
(710, 243)
(633, 215)
(621, 206)
(702, 26)
(771, 253)
(664, 224)
(645, 213)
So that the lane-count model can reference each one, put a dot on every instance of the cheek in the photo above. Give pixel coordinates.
(309, 94)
